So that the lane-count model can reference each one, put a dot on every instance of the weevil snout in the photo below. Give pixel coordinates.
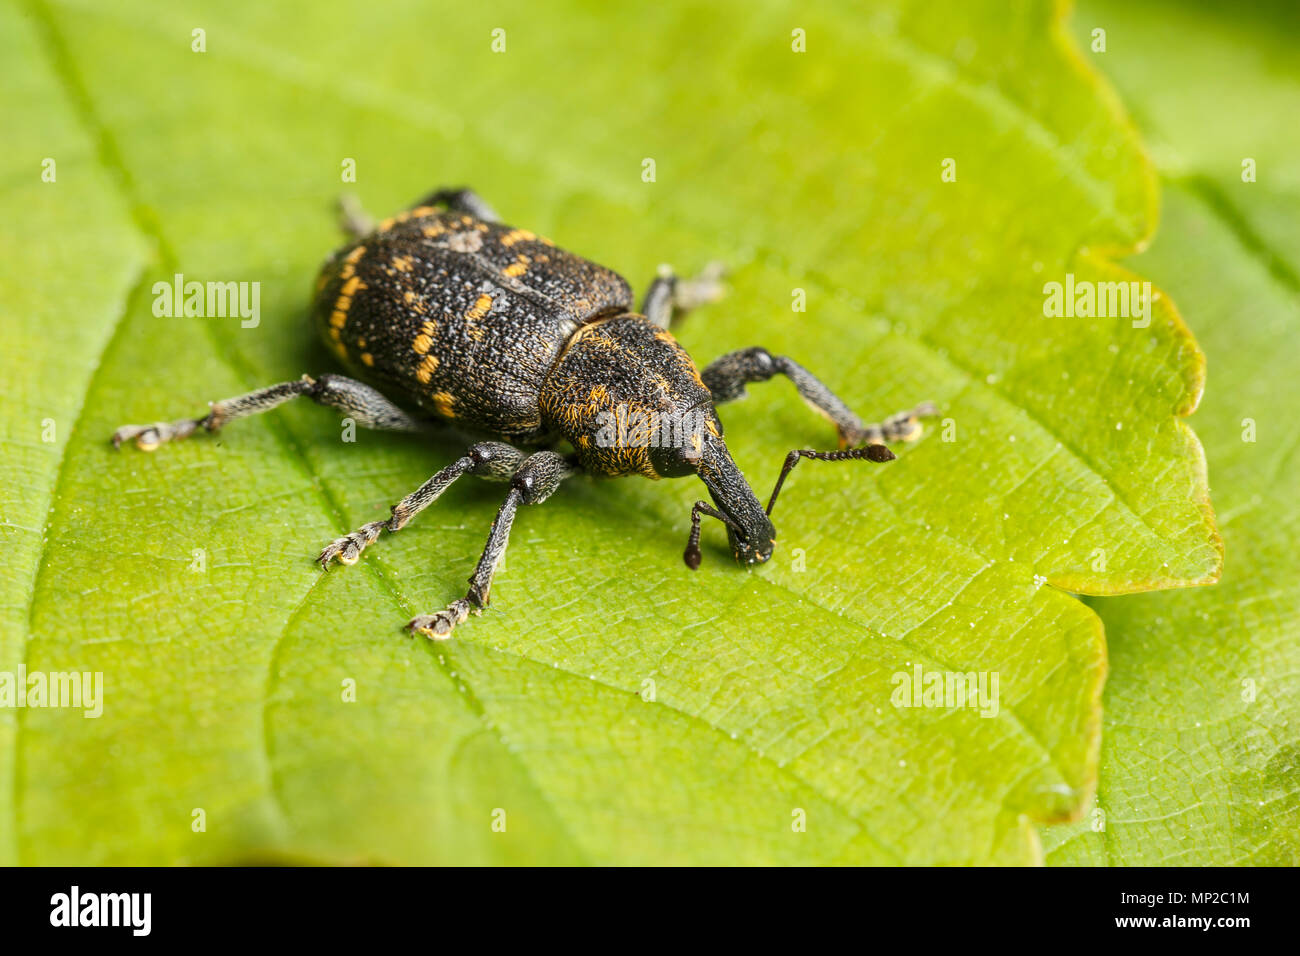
(749, 530)
(753, 549)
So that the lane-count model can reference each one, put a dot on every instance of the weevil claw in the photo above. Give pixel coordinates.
(438, 627)
(349, 547)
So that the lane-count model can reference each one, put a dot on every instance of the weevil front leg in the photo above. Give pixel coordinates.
(727, 376)
(490, 460)
(365, 405)
(534, 482)
(670, 298)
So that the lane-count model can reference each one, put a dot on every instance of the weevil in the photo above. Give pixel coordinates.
(499, 333)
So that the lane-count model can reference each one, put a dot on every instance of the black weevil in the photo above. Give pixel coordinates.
(501, 333)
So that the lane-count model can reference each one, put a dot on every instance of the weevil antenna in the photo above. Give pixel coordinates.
(692, 554)
(876, 453)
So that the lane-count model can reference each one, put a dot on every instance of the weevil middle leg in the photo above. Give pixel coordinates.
(490, 460)
(534, 481)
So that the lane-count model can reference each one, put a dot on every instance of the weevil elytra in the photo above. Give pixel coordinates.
(499, 333)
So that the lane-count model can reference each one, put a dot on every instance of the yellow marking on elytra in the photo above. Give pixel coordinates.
(445, 404)
(433, 232)
(429, 328)
(408, 297)
(350, 262)
(480, 309)
(367, 358)
(420, 212)
(426, 369)
(402, 263)
(391, 221)
(353, 286)
(338, 319)
(517, 235)
(361, 343)
(422, 343)
(518, 267)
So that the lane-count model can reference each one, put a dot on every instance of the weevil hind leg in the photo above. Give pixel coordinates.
(669, 298)
(353, 218)
(491, 460)
(534, 481)
(368, 407)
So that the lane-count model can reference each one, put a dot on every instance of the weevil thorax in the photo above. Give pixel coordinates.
(629, 399)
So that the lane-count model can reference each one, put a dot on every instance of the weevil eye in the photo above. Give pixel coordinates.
(674, 461)
(681, 441)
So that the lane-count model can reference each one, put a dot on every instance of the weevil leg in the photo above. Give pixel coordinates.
(727, 376)
(670, 298)
(365, 405)
(461, 200)
(490, 460)
(534, 482)
(353, 219)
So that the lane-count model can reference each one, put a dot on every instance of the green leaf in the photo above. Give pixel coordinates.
(186, 577)
(1201, 745)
